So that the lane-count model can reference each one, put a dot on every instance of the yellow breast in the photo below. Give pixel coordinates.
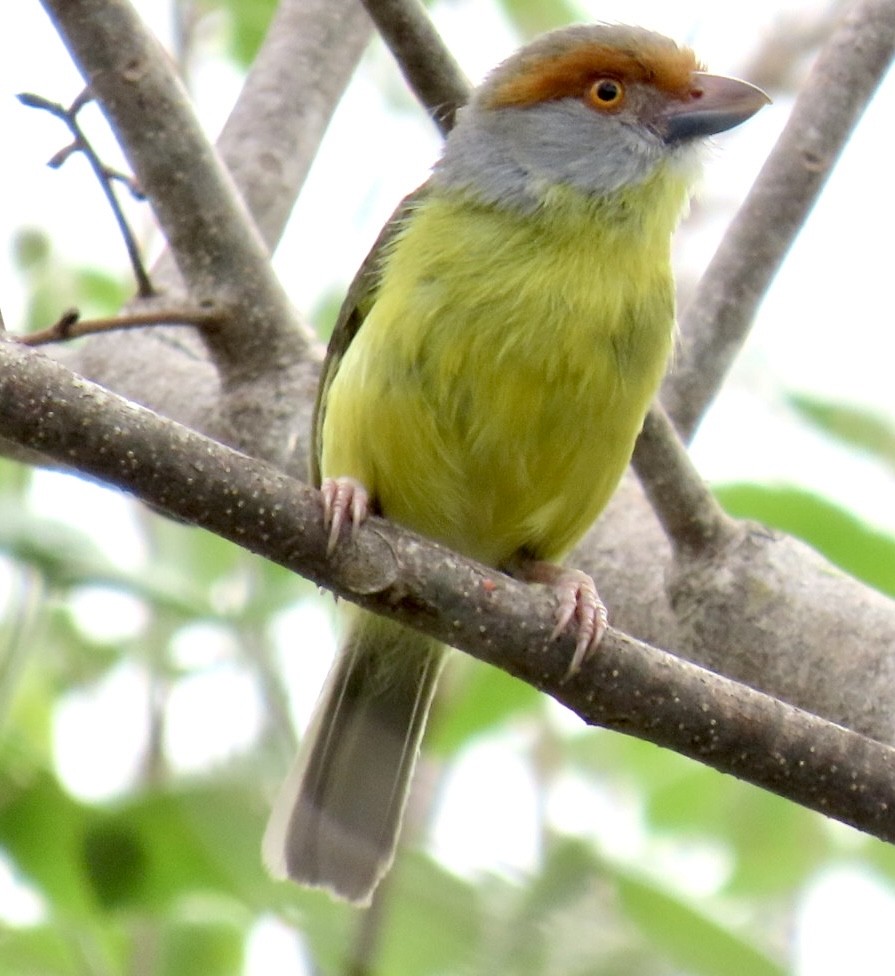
(493, 394)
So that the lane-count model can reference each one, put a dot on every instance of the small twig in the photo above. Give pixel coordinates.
(426, 63)
(71, 326)
(130, 184)
(106, 176)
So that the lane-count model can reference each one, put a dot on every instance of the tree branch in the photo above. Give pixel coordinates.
(721, 310)
(424, 59)
(691, 518)
(272, 135)
(71, 326)
(268, 142)
(628, 686)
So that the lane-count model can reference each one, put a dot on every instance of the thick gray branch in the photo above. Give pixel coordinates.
(628, 686)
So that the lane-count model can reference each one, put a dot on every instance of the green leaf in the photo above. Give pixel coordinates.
(115, 861)
(41, 828)
(146, 851)
(101, 293)
(31, 249)
(563, 921)
(209, 949)
(249, 20)
(533, 17)
(877, 854)
(40, 950)
(851, 425)
(433, 919)
(202, 838)
(852, 545)
(775, 844)
(66, 557)
(630, 762)
(691, 939)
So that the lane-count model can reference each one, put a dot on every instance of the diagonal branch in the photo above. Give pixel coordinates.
(628, 686)
(259, 349)
(779, 619)
(692, 519)
(723, 306)
(424, 59)
(272, 135)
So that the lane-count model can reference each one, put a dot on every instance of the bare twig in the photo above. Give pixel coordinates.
(425, 61)
(106, 176)
(628, 686)
(720, 312)
(216, 247)
(71, 326)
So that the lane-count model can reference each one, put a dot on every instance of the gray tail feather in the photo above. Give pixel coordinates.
(336, 822)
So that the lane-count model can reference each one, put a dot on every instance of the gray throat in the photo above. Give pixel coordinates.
(511, 157)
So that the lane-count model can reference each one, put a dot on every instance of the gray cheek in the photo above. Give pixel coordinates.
(508, 157)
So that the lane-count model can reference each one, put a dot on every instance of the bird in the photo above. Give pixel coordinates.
(485, 382)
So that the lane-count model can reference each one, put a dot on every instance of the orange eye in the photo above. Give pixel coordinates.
(606, 93)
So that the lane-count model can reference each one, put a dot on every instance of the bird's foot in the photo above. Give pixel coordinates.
(345, 500)
(578, 602)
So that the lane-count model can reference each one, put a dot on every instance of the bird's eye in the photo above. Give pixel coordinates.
(606, 93)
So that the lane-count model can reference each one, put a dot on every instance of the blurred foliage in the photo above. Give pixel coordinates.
(168, 871)
(851, 425)
(247, 25)
(532, 17)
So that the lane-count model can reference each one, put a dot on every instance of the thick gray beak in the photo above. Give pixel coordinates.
(713, 104)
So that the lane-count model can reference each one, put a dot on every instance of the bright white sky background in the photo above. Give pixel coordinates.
(825, 329)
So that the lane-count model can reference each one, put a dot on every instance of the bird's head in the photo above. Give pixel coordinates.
(595, 108)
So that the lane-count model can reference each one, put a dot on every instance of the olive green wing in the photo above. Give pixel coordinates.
(358, 302)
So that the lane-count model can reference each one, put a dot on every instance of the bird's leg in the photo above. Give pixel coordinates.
(344, 500)
(578, 600)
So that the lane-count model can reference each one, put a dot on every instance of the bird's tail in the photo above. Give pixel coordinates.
(336, 821)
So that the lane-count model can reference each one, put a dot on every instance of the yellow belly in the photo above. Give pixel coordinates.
(493, 394)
